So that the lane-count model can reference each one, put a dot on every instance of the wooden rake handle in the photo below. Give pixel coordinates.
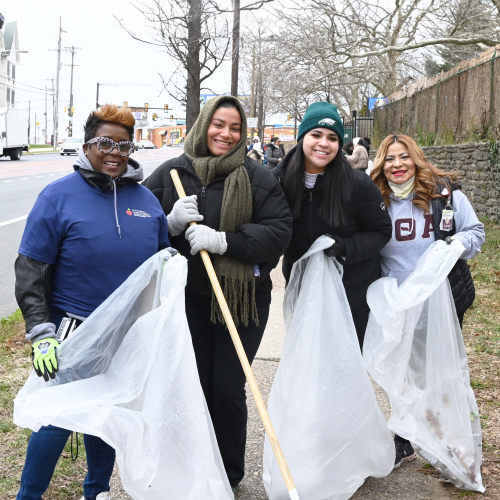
(243, 357)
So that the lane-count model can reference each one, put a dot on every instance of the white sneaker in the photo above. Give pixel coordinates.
(105, 495)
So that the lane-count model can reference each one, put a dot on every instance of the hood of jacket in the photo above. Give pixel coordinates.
(133, 174)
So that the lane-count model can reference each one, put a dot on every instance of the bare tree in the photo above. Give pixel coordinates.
(461, 18)
(353, 47)
(193, 33)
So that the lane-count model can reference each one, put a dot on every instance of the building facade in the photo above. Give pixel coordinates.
(9, 59)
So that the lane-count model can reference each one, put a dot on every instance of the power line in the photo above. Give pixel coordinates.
(19, 83)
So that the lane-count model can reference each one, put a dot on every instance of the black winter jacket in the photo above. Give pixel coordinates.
(367, 230)
(460, 277)
(259, 243)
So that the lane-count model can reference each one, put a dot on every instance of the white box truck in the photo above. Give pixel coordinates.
(13, 132)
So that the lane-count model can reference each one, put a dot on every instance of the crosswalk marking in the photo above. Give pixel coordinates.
(37, 176)
(11, 221)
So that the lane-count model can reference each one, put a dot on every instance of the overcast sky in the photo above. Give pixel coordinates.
(108, 55)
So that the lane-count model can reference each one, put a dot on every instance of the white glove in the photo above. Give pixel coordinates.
(206, 238)
(185, 210)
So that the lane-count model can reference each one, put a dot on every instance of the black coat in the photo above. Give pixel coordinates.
(274, 154)
(367, 230)
(261, 242)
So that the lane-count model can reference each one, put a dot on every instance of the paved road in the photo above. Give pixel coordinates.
(20, 183)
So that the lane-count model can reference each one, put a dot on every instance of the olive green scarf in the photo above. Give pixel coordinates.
(237, 279)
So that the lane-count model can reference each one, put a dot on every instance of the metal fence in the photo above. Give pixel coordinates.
(462, 105)
(357, 126)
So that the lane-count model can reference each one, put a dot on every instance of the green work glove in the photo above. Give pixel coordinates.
(44, 358)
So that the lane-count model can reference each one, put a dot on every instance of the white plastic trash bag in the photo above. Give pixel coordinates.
(128, 375)
(322, 403)
(415, 350)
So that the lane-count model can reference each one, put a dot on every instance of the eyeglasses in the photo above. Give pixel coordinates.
(106, 145)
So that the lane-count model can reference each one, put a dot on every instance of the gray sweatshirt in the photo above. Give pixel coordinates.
(413, 232)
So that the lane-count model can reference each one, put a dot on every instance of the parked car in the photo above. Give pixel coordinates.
(145, 144)
(72, 146)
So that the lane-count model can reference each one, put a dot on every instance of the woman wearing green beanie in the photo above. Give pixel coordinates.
(245, 223)
(327, 196)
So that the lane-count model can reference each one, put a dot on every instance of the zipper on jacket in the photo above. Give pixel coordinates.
(203, 198)
(310, 214)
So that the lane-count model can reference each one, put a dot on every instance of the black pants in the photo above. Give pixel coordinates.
(360, 323)
(223, 380)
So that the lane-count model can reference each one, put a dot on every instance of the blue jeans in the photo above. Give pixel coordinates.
(45, 448)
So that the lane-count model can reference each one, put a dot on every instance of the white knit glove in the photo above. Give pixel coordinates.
(185, 210)
(206, 238)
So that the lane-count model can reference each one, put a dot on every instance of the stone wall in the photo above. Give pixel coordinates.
(475, 170)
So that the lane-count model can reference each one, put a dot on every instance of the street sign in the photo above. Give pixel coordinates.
(252, 122)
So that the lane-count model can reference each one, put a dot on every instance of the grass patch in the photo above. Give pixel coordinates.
(15, 366)
(482, 339)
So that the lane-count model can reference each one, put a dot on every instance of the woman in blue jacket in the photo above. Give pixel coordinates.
(85, 235)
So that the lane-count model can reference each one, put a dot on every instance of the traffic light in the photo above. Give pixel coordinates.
(171, 117)
(154, 117)
(72, 109)
(37, 123)
(125, 104)
(146, 106)
(65, 109)
(166, 108)
(289, 117)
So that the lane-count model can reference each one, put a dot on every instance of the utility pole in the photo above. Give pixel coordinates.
(236, 48)
(56, 105)
(35, 128)
(29, 120)
(252, 104)
(70, 113)
(45, 114)
(97, 98)
(260, 94)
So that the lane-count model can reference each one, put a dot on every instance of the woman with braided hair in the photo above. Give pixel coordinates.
(246, 224)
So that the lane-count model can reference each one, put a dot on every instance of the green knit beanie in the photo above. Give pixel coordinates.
(322, 115)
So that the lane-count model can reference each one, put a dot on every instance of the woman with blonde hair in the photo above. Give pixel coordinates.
(425, 204)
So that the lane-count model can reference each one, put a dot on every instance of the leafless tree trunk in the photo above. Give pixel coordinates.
(193, 33)
(193, 84)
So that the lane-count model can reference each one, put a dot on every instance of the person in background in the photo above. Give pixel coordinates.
(359, 157)
(282, 147)
(328, 197)
(416, 193)
(274, 153)
(246, 225)
(348, 148)
(256, 152)
(86, 234)
(367, 142)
